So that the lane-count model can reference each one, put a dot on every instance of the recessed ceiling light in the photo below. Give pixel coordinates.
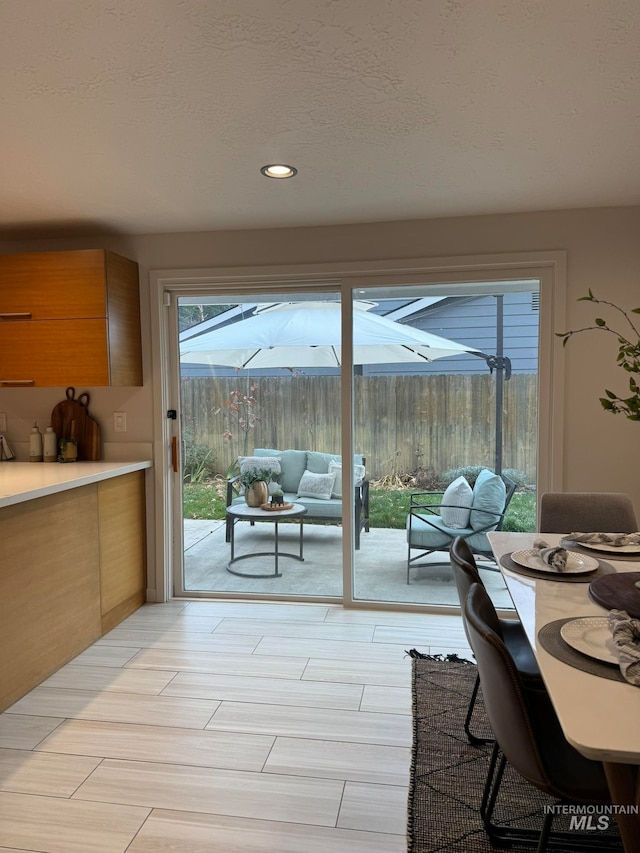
(277, 170)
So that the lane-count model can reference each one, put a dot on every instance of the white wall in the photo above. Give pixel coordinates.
(603, 251)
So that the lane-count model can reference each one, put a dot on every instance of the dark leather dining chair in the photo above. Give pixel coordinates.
(586, 512)
(465, 572)
(528, 735)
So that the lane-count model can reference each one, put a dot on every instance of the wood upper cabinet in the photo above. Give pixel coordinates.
(69, 318)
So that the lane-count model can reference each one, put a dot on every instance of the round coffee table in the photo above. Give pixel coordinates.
(243, 512)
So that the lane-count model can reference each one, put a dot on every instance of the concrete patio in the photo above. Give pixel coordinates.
(380, 565)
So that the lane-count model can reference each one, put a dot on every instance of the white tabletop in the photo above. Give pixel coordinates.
(244, 511)
(600, 717)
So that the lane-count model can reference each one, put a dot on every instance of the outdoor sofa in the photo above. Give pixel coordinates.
(310, 478)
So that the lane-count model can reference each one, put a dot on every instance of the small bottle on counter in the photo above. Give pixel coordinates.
(50, 442)
(35, 444)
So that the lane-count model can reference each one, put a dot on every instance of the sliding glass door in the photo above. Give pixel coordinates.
(260, 395)
(424, 383)
(451, 389)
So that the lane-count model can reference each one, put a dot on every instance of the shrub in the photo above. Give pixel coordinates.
(428, 480)
(520, 478)
(469, 472)
(197, 463)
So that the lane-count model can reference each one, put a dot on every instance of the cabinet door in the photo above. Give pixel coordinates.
(49, 587)
(54, 285)
(54, 353)
(121, 512)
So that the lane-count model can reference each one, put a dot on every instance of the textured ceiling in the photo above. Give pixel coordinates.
(143, 116)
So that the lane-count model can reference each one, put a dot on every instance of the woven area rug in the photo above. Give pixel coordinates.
(448, 774)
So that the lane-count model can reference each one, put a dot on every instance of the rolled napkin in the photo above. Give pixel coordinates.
(626, 637)
(555, 557)
(615, 540)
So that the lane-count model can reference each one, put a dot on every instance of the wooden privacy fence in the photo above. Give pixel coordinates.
(401, 423)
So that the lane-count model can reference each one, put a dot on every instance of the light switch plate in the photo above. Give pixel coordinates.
(120, 421)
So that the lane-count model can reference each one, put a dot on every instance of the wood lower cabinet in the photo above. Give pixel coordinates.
(71, 567)
(69, 318)
(122, 547)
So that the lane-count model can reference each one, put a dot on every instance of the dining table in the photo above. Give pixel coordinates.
(599, 711)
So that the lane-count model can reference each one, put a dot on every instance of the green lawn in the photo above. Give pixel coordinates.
(387, 507)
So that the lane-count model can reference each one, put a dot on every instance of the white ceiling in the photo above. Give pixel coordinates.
(141, 116)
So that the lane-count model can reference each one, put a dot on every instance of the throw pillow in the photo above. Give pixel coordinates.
(260, 463)
(336, 468)
(458, 499)
(489, 495)
(317, 486)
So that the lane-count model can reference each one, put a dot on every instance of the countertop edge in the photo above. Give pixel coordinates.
(26, 481)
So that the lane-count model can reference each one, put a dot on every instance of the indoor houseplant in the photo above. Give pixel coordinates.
(628, 358)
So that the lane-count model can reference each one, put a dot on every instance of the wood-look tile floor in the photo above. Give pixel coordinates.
(221, 727)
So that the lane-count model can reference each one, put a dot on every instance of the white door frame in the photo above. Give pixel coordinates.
(547, 267)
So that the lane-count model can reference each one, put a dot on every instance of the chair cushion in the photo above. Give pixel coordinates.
(457, 501)
(317, 486)
(435, 535)
(336, 468)
(489, 495)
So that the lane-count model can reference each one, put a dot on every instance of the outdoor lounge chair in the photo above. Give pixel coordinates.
(433, 527)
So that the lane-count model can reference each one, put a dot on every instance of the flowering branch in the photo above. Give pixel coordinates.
(239, 413)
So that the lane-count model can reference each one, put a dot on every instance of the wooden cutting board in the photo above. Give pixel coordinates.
(71, 419)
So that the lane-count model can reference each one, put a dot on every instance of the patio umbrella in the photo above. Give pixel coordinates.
(308, 334)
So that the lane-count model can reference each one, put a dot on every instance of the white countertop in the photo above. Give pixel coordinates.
(25, 481)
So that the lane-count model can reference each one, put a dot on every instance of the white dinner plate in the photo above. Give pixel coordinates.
(610, 549)
(577, 564)
(592, 636)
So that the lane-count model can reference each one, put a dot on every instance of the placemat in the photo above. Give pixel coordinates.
(589, 552)
(617, 592)
(552, 642)
(603, 569)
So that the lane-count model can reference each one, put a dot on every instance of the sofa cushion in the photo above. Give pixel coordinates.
(457, 501)
(322, 509)
(489, 495)
(292, 463)
(318, 463)
(336, 468)
(317, 486)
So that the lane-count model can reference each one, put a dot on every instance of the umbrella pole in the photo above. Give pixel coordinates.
(499, 381)
(502, 366)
